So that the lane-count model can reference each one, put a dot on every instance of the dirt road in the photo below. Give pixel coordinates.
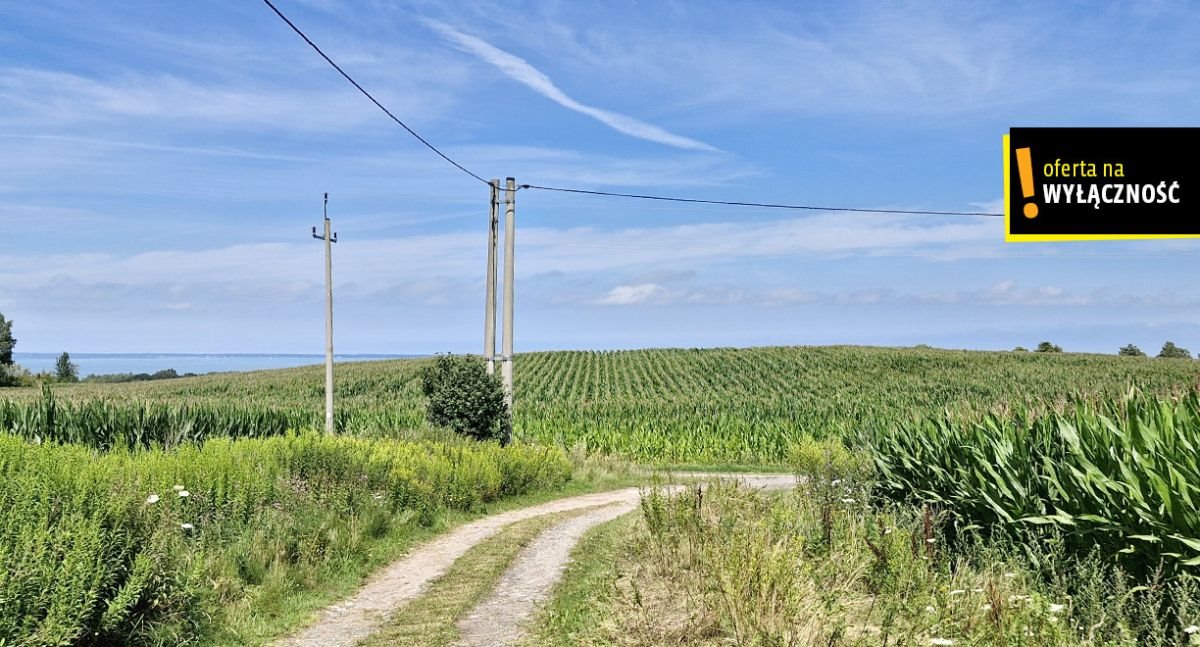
(531, 578)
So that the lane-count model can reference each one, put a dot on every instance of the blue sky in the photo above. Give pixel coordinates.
(161, 165)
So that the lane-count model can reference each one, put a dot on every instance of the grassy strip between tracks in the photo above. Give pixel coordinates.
(430, 621)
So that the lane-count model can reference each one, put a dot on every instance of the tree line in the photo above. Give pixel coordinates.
(1169, 350)
(65, 370)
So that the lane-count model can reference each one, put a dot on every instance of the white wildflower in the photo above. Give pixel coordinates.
(930, 609)
(930, 540)
(835, 481)
(183, 494)
(187, 526)
(153, 498)
(1055, 608)
(1010, 575)
(847, 500)
(1191, 629)
(889, 531)
(986, 607)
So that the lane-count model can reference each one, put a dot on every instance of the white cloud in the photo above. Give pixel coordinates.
(377, 264)
(561, 265)
(586, 249)
(624, 295)
(1006, 294)
(521, 71)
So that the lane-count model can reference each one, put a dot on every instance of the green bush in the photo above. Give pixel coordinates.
(148, 547)
(828, 458)
(463, 397)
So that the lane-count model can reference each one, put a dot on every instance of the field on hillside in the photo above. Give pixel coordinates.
(151, 524)
(718, 405)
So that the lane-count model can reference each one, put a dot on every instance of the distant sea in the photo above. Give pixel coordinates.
(108, 363)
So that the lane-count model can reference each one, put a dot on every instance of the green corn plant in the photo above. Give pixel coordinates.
(1119, 473)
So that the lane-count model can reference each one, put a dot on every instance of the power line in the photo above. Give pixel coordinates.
(368, 94)
(764, 205)
(728, 203)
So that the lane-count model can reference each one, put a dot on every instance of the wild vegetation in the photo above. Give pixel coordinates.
(675, 406)
(829, 565)
(156, 547)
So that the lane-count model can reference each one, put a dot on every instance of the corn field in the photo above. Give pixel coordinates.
(718, 405)
(1120, 475)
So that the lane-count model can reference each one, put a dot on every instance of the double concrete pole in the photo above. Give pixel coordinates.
(489, 322)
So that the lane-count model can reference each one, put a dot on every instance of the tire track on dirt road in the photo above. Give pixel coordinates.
(345, 623)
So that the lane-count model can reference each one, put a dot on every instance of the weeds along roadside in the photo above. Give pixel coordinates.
(830, 564)
(152, 547)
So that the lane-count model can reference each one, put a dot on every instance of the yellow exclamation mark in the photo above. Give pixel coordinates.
(1025, 170)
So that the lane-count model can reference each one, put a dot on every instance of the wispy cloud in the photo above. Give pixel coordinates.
(190, 150)
(52, 100)
(521, 71)
(866, 59)
(373, 263)
(1005, 294)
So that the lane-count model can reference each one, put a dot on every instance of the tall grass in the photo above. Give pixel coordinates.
(825, 566)
(148, 547)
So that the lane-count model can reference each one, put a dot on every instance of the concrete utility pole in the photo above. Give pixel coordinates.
(329, 240)
(510, 213)
(489, 307)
